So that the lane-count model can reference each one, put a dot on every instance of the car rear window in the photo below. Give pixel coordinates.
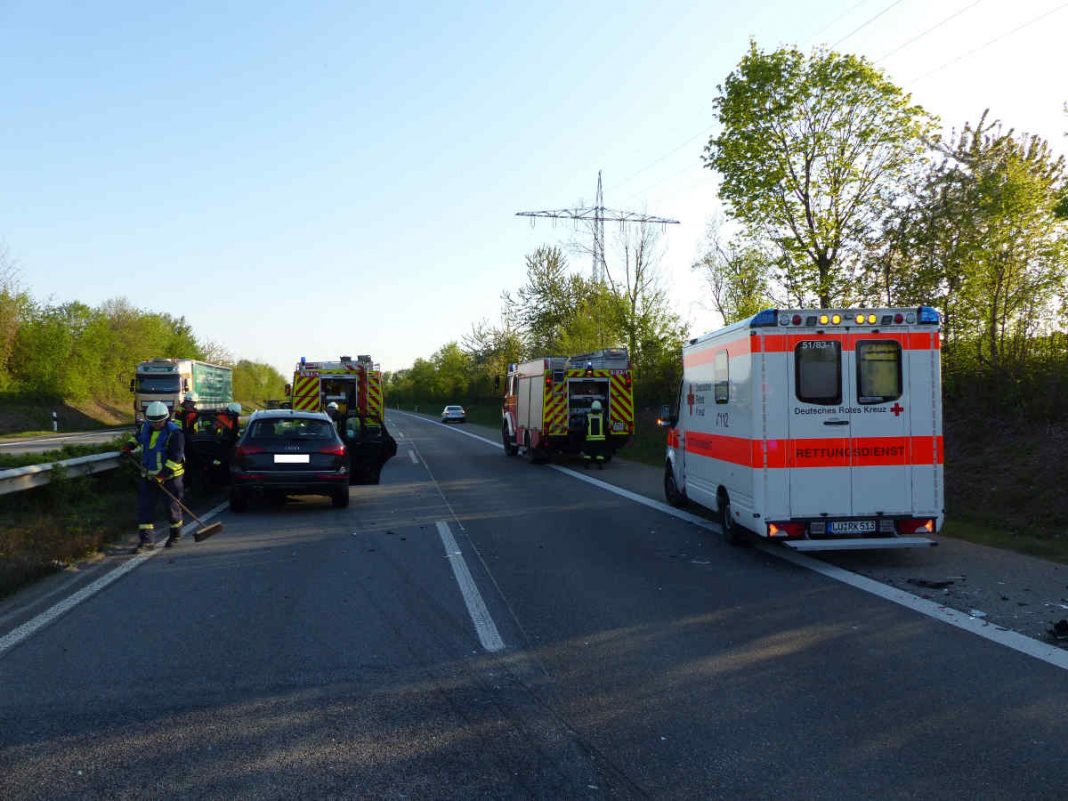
(286, 428)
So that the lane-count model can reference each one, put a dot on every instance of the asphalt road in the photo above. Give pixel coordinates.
(55, 441)
(478, 627)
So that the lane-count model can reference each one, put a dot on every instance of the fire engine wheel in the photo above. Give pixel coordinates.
(510, 448)
(671, 490)
(732, 532)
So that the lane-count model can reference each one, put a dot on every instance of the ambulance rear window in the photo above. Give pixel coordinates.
(818, 372)
(878, 371)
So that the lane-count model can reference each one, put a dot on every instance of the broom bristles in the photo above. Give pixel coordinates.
(207, 531)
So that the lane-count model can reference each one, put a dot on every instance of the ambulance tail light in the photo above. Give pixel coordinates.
(927, 316)
(786, 530)
(923, 525)
(548, 381)
(626, 380)
(765, 318)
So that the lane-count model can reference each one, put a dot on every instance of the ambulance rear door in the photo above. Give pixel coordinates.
(818, 453)
(881, 483)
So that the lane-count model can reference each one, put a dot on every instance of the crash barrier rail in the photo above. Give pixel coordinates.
(18, 479)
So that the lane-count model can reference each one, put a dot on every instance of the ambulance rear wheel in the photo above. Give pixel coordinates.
(732, 532)
(671, 489)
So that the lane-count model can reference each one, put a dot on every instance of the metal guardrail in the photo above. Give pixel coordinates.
(18, 479)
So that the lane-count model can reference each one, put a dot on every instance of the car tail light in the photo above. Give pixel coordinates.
(247, 450)
(334, 450)
(782, 530)
(332, 476)
(924, 525)
(249, 476)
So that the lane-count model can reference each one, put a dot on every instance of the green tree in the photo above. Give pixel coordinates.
(984, 243)
(738, 273)
(811, 153)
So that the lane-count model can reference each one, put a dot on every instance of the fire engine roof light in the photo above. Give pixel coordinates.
(928, 316)
(764, 318)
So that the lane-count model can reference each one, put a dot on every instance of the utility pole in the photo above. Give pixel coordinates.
(597, 216)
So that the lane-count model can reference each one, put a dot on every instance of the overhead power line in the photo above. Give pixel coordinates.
(864, 25)
(933, 28)
(995, 40)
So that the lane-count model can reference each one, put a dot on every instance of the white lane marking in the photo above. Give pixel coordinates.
(413, 457)
(476, 607)
(32, 626)
(1036, 649)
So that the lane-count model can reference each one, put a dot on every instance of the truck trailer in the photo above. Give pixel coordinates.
(169, 380)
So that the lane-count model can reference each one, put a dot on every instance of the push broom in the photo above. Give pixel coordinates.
(206, 529)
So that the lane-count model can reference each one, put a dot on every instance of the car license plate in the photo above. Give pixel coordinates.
(291, 458)
(853, 527)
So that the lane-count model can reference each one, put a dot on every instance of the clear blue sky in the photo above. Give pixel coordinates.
(324, 178)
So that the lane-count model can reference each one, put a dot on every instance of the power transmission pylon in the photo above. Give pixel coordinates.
(597, 216)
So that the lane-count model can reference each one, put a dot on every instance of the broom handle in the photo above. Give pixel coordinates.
(171, 495)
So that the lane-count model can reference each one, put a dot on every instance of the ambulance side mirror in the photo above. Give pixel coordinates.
(665, 419)
(133, 384)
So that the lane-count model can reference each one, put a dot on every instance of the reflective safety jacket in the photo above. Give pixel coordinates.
(163, 451)
(594, 427)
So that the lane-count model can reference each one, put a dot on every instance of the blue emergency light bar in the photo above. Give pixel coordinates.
(927, 315)
(766, 317)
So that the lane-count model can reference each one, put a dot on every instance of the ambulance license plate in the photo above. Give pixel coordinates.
(291, 458)
(617, 425)
(853, 527)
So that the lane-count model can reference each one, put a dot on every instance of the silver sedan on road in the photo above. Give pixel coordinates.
(453, 414)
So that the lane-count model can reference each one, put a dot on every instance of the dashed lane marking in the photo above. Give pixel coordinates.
(486, 629)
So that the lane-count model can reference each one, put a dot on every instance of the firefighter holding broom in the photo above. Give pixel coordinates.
(161, 444)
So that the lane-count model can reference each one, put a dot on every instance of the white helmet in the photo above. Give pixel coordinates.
(595, 406)
(234, 407)
(156, 411)
(189, 397)
(332, 406)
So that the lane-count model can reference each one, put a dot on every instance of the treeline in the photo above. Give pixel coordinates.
(558, 313)
(840, 193)
(76, 353)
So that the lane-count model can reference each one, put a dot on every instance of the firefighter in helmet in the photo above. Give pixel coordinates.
(186, 414)
(593, 447)
(161, 444)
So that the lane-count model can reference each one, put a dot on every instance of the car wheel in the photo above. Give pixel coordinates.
(238, 501)
(671, 490)
(340, 499)
(732, 532)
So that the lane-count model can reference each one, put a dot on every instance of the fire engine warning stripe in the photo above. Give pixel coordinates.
(1050, 654)
(855, 451)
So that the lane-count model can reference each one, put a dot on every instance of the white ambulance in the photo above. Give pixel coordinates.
(820, 428)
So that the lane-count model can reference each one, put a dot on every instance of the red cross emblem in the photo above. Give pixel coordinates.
(689, 400)
(897, 409)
